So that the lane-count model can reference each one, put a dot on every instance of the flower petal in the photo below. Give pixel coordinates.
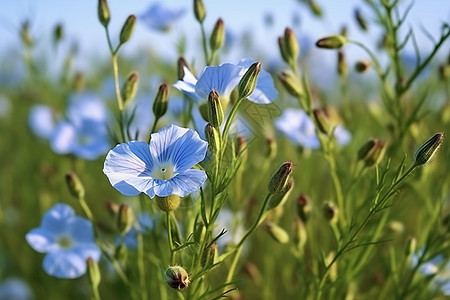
(41, 121)
(182, 184)
(56, 219)
(180, 146)
(41, 240)
(81, 230)
(87, 250)
(63, 137)
(128, 167)
(222, 78)
(298, 127)
(64, 264)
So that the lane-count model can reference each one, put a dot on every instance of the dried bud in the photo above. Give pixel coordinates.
(291, 83)
(342, 67)
(247, 83)
(426, 152)
(94, 272)
(199, 10)
(283, 50)
(215, 112)
(125, 218)
(332, 42)
(372, 152)
(303, 207)
(279, 180)
(161, 99)
(330, 212)
(213, 138)
(277, 233)
(127, 29)
(129, 88)
(103, 12)
(75, 186)
(168, 203)
(217, 36)
(181, 64)
(291, 44)
(360, 20)
(362, 66)
(177, 277)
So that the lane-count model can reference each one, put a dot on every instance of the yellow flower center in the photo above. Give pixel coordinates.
(163, 171)
(65, 242)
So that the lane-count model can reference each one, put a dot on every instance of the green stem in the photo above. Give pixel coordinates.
(169, 237)
(228, 122)
(204, 44)
(96, 292)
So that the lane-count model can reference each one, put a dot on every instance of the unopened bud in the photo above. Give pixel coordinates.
(130, 86)
(362, 66)
(426, 152)
(199, 10)
(291, 83)
(127, 29)
(300, 234)
(315, 8)
(177, 277)
(360, 20)
(168, 203)
(75, 186)
(103, 12)
(303, 207)
(213, 138)
(112, 208)
(217, 36)
(277, 199)
(291, 44)
(330, 212)
(215, 112)
(181, 64)
(331, 42)
(58, 33)
(25, 34)
(324, 124)
(125, 218)
(161, 99)
(247, 83)
(271, 147)
(342, 67)
(283, 50)
(94, 272)
(411, 244)
(121, 253)
(277, 233)
(372, 152)
(279, 180)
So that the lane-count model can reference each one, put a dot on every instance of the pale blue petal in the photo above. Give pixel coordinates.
(160, 16)
(343, 137)
(55, 220)
(64, 264)
(14, 288)
(41, 240)
(128, 167)
(181, 147)
(92, 140)
(81, 230)
(222, 78)
(187, 85)
(182, 184)
(298, 127)
(86, 106)
(63, 137)
(87, 250)
(41, 121)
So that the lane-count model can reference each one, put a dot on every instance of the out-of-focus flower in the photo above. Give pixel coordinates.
(438, 267)
(68, 241)
(144, 224)
(224, 79)
(41, 120)
(159, 16)
(15, 289)
(232, 223)
(161, 168)
(300, 129)
(5, 106)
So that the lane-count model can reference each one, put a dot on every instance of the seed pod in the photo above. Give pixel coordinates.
(177, 277)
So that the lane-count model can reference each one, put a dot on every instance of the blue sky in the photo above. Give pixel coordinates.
(81, 24)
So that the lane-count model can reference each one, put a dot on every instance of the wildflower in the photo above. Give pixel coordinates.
(160, 16)
(68, 241)
(161, 168)
(300, 129)
(15, 288)
(224, 79)
(41, 121)
(143, 225)
(438, 267)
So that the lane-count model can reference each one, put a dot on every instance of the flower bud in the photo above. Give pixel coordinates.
(177, 277)
(247, 83)
(410, 247)
(372, 152)
(112, 208)
(331, 42)
(217, 36)
(277, 199)
(130, 86)
(125, 218)
(426, 152)
(103, 12)
(58, 33)
(315, 8)
(127, 29)
(279, 180)
(342, 67)
(360, 20)
(300, 234)
(283, 50)
(215, 112)
(303, 207)
(181, 64)
(362, 66)
(168, 203)
(291, 83)
(121, 253)
(330, 212)
(291, 44)
(213, 138)
(75, 186)
(161, 99)
(324, 124)
(199, 10)
(94, 272)
(277, 233)
(25, 34)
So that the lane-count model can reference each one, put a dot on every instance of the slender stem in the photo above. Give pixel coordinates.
(141, 265)
(116, 81)
(228, 122)
(205, 47)
(95, 292)
(169, 237)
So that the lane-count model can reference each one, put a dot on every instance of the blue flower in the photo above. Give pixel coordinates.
(41, 120)
(68, 241)
(224, 79)
(160, 17)
(144, 225)
(161, 168)
(15, 289)
(300, 129)
(438, 267)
